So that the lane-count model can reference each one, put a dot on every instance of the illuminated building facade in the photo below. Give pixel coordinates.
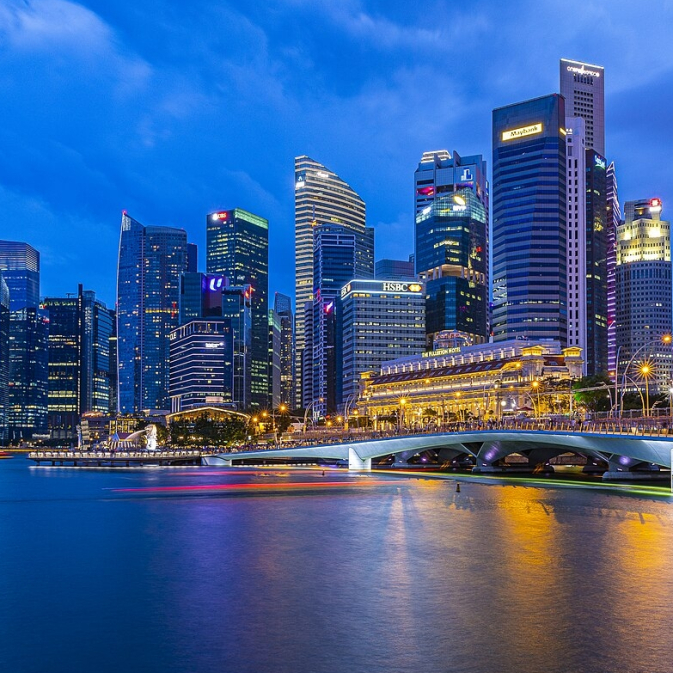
(482, 382)
(395, 269)
(28, 373)
(80, 328)
(451, 200)
(596, 353)
(4, 359)
(614, 216)
(576, 245)
(237, 246)
(583, 87)
(321, 197)
(274, 358)
(202, 365)
(338, 255)
(210, 297)
(26, 343)
(529, 221)
(283, 309)
(381, 320)
(451, 236)
(643, 294)
(151, 263)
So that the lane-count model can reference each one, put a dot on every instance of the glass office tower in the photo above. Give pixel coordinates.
(151, 262)
(4, 359)
(283, 308)
(20, 266)
(80, 328)
(529, 221)
(337, 252)
(643, 295)
(238, 247)
(614, 216)
(321, 197)
(596, 355)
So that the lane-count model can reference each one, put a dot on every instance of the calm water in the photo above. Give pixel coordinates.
(253, 571)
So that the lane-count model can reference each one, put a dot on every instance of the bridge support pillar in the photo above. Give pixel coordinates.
(357, 463)
(623, 468)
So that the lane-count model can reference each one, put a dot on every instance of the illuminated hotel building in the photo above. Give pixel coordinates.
(321, 197)
(529, 221)
(583, 87)
(643, 293)
(614, 216)
(380, 320)
(151, 263)
(237, 246)
(482, 382)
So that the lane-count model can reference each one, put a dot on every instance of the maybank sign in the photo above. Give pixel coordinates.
(522, 132)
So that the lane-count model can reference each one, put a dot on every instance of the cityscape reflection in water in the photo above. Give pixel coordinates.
(249, 570)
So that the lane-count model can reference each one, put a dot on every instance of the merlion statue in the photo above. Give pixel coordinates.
(151, 437)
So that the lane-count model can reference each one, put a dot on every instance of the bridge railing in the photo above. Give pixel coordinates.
(644, 428)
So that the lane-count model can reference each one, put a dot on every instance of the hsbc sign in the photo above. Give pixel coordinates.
(402, 287)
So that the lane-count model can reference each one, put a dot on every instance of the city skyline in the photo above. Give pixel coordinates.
(71, 167)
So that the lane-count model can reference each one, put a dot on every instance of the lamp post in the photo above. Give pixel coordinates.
(536, 387)
(400, 420)
(666, 339)
(645, 372)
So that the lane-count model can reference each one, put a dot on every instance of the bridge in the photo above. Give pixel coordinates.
(622, 455)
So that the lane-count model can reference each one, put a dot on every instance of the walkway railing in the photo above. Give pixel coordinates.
(641, 429)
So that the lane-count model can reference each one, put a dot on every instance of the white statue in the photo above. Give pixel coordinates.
(151, 431)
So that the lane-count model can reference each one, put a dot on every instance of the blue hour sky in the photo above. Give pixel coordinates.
(171, 109)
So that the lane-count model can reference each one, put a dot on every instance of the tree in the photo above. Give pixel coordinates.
(593, 400)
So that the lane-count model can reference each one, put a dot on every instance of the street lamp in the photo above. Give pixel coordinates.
(666, 339)
(400, 423)
(536, 387)
(646, 371)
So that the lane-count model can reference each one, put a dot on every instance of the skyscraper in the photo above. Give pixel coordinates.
(583, 87)
(151, 261)
(381, 320)
(28, 332)
(337, 256)
(451, 199)
(274, 358)
(206, 297)
(4, 359)
(576, 245)
(614, 216)
(321, 197)
(20, 266)
(596, 354)
(643, 294)
(283, 308)
(238, 248)
(529, 221)
(80, 327)
(395, 269)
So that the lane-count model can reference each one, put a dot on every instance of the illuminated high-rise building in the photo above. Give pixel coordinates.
(238, 247)
(614, 216)
(576, 245)
(151, 263)
(27, 342)
(283, 309)
(80, 327)
(321, 197)
(583, 87)
(4, 359)
(643, 294)
(529, 221)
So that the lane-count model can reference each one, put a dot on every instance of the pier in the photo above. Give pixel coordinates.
(115, 458)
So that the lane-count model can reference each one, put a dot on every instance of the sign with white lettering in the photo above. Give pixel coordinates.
(583, 71)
